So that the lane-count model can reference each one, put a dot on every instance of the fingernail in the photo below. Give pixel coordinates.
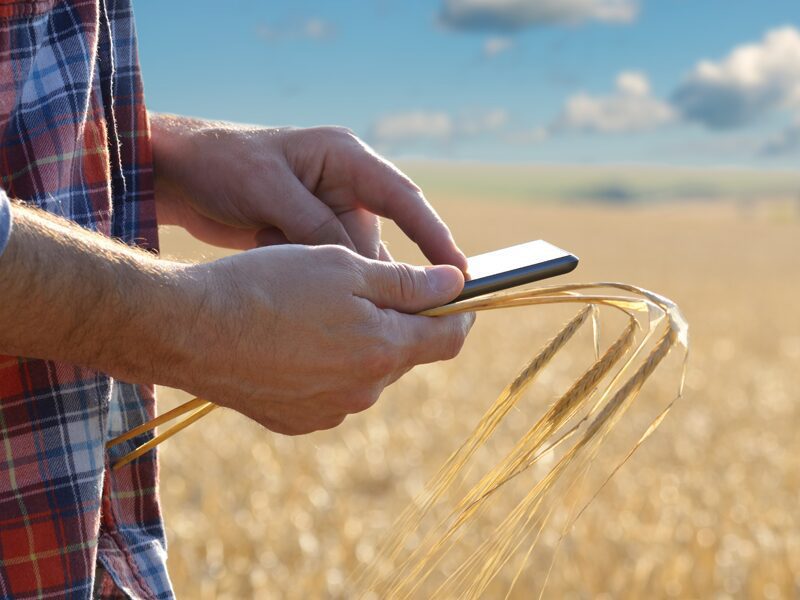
(444, 279)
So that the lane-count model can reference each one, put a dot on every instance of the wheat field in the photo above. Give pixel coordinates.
(707, 508)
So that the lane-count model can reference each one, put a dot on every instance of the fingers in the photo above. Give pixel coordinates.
(431, 339)
(402, 290)
(365, 235)
(221, 235)
(304, 219)
(364, 228)
(271, 236)
(409, 289)
(384, 254)
(354, 184)
(363, 231)
(386, 191)
(420, 340)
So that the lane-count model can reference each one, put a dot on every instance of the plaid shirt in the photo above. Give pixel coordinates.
(74, 140)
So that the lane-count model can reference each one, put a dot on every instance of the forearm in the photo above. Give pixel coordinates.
(72, 295)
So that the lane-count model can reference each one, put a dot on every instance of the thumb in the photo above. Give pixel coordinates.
(410, 289)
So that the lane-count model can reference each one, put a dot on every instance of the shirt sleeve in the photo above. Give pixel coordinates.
(5, 220)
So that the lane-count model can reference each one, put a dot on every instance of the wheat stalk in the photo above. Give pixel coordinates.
(400, 573)
(596, 402)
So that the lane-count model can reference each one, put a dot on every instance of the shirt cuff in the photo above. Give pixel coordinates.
(5, 220)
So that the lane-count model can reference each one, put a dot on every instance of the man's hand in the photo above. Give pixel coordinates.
(243, 187)
(298, 337)
(294, 337)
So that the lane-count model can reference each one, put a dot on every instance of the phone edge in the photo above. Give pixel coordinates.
(508, 279)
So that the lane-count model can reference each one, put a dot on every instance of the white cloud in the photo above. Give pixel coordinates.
(413, 126)
(633, 83)
(751, 81)
(435, 126)
(496, 45)
(513, 15)
(630, 108)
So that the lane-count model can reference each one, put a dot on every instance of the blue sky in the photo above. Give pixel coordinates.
(563, 81)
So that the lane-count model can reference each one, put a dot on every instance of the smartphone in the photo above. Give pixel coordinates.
(513, 266)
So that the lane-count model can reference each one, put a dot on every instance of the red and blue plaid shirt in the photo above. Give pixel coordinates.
(74, 140)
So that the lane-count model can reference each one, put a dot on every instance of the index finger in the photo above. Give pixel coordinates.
(386, 191)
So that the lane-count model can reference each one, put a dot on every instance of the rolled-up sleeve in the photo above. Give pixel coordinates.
(5, 220)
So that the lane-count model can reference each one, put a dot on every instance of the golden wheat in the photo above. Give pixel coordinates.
(706, 509)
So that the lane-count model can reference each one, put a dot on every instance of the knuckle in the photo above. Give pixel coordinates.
(409, 183)
(404, 281)
(392, 171)
(344, 132)
(334, 132)
(336, 256)
(379, 362)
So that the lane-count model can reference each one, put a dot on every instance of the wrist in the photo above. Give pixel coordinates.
(148, 323)
(194, 328)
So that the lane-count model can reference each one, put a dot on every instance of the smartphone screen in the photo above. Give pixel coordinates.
(513, 266)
